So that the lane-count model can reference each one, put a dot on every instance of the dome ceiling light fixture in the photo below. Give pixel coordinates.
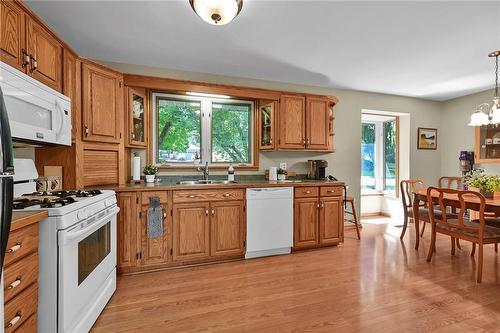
(217, 12)
(484, 114)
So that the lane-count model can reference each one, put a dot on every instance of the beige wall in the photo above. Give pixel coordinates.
(345, 162)
(456, 135)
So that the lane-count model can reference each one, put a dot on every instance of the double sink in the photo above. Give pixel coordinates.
(206, 182)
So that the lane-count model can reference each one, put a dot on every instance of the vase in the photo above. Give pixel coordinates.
(150, 178)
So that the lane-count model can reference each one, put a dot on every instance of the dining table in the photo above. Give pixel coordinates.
(492, 205)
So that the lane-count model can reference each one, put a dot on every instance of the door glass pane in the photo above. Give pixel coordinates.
(390, 155)
(138, 117)
(266, 123)
(178, 131)
(231, 133)
(368, 156)
(92, 250)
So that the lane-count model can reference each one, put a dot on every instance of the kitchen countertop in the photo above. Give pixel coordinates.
(22, 219)
(164, 186)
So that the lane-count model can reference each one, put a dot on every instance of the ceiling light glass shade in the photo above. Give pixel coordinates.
(217, 12)
(479, 118)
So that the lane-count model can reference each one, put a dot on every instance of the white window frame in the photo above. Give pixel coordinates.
(379, 158)
(206, 128)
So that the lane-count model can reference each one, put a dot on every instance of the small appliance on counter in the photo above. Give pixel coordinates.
(316, 169)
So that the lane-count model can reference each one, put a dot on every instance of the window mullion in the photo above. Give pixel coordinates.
(206, 131)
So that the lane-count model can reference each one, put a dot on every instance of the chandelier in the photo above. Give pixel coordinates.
(484, 114)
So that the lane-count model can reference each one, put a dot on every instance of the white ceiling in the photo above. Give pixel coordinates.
(433, 50)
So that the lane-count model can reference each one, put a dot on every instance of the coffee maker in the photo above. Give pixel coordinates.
(316, 169)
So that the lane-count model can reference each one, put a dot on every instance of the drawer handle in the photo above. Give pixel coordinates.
(14, 320)
(330, 191)
(191, 196)
(307, 192)
(226, 195)
(14, 248)
(15, 283)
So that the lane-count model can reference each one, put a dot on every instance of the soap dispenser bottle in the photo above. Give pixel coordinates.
(230, 173)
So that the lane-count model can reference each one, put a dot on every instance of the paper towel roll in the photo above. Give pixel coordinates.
(136, 168)
(273, 173)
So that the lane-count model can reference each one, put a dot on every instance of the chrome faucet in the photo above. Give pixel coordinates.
(204, 170)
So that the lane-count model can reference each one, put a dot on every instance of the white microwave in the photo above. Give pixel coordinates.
(37, 113)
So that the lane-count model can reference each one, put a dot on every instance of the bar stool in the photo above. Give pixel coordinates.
(354, 219)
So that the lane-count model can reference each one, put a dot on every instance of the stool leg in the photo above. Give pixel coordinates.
(355, 219)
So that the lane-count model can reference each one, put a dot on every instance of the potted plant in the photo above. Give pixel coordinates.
(281, 174)
(150, 173)
(489, 186)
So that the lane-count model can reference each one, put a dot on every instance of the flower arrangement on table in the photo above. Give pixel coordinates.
(485, 184)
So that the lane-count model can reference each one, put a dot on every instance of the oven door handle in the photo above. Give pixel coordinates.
(67, 236)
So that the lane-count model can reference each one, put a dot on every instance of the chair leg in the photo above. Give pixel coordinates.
(432, 246)
(473, 250)
(356, 223)
(480, 263)
(452, 246)
(458, 244)
(405, 223)
(423, 230)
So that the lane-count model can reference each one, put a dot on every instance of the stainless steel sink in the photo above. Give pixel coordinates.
(206, 182)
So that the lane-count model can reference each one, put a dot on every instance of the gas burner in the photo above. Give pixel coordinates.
(43, 202)
(89, 193)
(64, 194)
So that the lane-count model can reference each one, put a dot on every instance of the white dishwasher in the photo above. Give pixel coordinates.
(269, 221)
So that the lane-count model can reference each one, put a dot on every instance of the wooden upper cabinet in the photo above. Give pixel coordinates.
(331, 220)
(228, 228)
(13, 36)
(45, 55)
(137, 117)
(127, 229)
(317, 123)
(102, 104)
(191, 231)
(292, 122)
(267, 116)
(71, 89)
(306, 218)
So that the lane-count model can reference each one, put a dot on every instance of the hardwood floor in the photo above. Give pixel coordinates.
(378, 284)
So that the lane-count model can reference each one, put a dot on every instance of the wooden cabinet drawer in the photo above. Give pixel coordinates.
(20, 308)
(20, 275)
(208, 195)
(163, 195)
(306, 192)
(21, 243)
(331, 191)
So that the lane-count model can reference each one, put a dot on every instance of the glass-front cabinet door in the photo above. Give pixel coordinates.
(487, 144)
(137, 116)
(267, 119)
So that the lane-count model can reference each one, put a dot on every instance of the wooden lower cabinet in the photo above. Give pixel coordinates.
(318, 220)
(153, 251)
(306, 213)
(228, 228)
(127, 229)
(191, 231)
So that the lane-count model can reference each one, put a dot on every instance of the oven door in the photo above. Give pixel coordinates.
(87, 257)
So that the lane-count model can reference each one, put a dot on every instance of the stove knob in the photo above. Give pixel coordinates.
(81, 215)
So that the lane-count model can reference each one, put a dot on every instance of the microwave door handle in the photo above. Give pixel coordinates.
(67, 236)
(64, 120)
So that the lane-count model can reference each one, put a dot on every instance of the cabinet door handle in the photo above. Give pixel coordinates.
(270, 141)
(26, 58)
(14, 284)
(317, 205)
(307, 142)
(213, 212)
(14, 320)
(303, 141)
(322, 204)
(165, 215)
(86, 130)
(206, 212)
(34, 64)
(133, 136)
(14, 248)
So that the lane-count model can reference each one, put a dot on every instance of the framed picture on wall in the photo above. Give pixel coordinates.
(427, 138)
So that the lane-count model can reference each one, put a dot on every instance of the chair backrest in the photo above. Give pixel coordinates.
(407, 187)
(448, 198)
(451, 182)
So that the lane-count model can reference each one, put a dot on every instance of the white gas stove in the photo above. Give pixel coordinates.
(77, 254)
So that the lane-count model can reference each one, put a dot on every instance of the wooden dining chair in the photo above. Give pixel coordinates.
(461, 227)
(407, 187)
(455, 183)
